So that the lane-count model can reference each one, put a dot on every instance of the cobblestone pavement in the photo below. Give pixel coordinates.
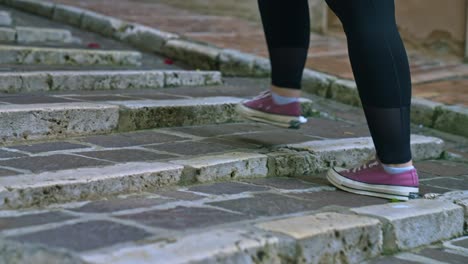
(174, 168)
(222, 25)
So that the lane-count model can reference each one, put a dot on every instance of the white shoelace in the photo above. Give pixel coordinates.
(364, 166)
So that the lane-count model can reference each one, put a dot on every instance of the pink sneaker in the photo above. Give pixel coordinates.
(371, 179)
(263, 109)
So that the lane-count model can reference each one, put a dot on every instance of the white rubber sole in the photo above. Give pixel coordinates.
(276, 120)
(400, 193)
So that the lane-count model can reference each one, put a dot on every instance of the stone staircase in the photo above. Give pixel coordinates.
(112, 155)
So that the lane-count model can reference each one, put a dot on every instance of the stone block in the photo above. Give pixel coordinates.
(68, 14)
(38, 7)
(224, 166)
(316, 82)
(214, 246)
(5, 19)
(17, 252)
(7, 35)
(144, 37)
(200, 56)
(54, 56)
(331, 237)
(36, 35)
(345, 91)
(452, 119)
(191, 78)
(52, 120)
(423, 111)
(416, 223)
(101, 24)
(85, 183)
(236, 63)
(106, 80)
(146, 114)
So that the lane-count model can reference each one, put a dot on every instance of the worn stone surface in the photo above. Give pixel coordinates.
(200, 56)
(85, 183)
(227, 188)
(148, 114)
(180, 195)
(267, 204)
(34, 99)
(126, 155)
(5, 154)
(53, 56)
(331, 237)
(132, 139)
(338, 198)
(224, 129)
(345, 91)
(68, 14)
(38, 7)
(224, 166)
(183, 218)
(282, 183)
(353, 151)
(49, 146)
(145, 37)
(453, 119)
(416, 223)
(38, 35)
(55, 162)
(105, 80)
(104, 25)
(192, 78)
(216, 246)
(85, 236)
(115, 205)
(443, 255)
(236, 63)
(6, 172)
(43, 121)
(7, 34)
(32, 220)
(17, 252)
(423, 111)
(316, 82)
(5, 19)
(192, 148)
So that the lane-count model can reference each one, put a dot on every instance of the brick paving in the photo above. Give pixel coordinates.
(327, 53)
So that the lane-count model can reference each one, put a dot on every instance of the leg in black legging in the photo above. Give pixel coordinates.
(287, 31)
(382, 74)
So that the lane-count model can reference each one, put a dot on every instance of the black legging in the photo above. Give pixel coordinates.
(378, 59)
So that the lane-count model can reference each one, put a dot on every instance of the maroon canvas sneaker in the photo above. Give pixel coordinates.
(263, 109)
(371, 179)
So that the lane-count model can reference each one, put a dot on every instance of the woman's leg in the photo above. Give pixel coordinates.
(380, 66)
(287, 31)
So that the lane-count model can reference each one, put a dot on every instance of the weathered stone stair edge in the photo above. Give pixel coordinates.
(318, 238)
(38, 81)
(26, 55)
(24, 35)
(46, 121)
(21, 191)
(354, 236)
(453, 119)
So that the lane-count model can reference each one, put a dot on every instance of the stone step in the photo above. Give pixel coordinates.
(62, 56)
(65, 118)
(40, 81)
(26, 35)
(97, 174)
